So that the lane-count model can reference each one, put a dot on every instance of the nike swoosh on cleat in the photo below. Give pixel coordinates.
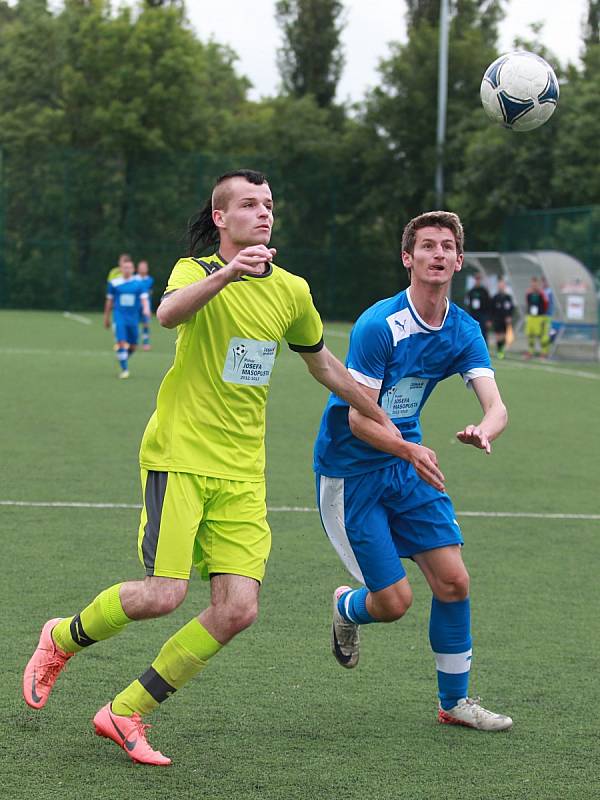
(34, 695)
(341, 657)
(129, 744)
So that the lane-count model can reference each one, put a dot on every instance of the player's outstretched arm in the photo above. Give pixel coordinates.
(325, 368)
(182, 304)
(495, 416)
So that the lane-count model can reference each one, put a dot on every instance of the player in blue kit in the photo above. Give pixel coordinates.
(147, 280)
(381, 493)
(127, 298)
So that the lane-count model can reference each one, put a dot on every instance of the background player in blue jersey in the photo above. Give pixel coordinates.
(380, 492)
(127, 298)
(148, 282)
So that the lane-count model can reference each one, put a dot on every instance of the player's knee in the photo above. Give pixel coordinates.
(239, 616)
(166, 598)
(393, 605)
(453, 586)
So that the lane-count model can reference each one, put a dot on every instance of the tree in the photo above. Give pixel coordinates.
(100, 145)
(485, 13)
(311, 60)
(591, 34)
(400, 116)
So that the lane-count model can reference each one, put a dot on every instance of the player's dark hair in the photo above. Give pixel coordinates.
(436, 219)
(202, 231)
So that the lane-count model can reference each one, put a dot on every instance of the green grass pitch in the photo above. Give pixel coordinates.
(274, 717)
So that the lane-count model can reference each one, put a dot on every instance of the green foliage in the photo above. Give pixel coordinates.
(115, 122)
(592, 26)
(402, 116)
(311, 60)
(121, 96)
(576, 178)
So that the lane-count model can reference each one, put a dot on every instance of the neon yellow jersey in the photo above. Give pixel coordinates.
(115, 272)
(210, 411)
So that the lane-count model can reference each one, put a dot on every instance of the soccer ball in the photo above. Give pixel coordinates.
(519, 90)
(239, 350)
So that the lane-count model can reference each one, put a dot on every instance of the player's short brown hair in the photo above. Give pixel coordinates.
(436, 219)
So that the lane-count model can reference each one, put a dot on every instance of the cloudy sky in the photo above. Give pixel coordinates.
(249, 27)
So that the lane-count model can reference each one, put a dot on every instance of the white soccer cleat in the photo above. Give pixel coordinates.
(344, 635)
(124, 374)
(470, 713)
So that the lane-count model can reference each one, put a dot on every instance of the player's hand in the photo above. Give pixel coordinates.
(425, 463)
(106, 322)
(250, 261)
(474, 435)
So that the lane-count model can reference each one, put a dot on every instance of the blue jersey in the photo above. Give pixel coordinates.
(392, 349)
(126, 296)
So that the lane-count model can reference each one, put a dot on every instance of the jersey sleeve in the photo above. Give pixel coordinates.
(305, 334)
(370, 350)
(474, 359)
(185, 272)
(110, 290)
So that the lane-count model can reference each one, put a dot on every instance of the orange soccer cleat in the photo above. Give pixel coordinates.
(130, 734)
(44, 667)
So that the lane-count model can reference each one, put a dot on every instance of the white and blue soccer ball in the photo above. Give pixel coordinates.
(519, 90)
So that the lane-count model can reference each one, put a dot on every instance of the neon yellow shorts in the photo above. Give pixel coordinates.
(213, 524)
(534, 326)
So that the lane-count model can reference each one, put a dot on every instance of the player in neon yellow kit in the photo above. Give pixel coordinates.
(202, 458)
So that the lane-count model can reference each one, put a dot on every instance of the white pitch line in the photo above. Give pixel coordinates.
(577, 373)
(77, 318)
(65, 504)
(33, 351)
(526, 515)
(294, 509)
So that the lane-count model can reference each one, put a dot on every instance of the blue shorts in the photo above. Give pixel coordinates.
(125, 331)
(375, 519)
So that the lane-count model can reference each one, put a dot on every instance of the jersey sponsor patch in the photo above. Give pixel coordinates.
(249, 362)
(127, 300)
(404, 399)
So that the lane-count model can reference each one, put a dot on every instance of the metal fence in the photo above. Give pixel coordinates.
(66, 215)
(572, 230)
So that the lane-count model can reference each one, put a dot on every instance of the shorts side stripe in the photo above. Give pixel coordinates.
(331, 506)
(156, 487)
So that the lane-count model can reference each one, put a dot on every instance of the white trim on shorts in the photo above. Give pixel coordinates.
(331, 507)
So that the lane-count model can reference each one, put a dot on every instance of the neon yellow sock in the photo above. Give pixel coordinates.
(103, 618)
(181, 657)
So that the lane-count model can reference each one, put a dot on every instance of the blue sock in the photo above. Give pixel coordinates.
(145, 334)
(122, 356)
(352, 606)
(450, 637)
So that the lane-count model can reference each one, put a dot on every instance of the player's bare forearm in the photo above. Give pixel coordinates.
(495, 416)
(107, 309)
(391, 441)
(183, 303)
(325, 368)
